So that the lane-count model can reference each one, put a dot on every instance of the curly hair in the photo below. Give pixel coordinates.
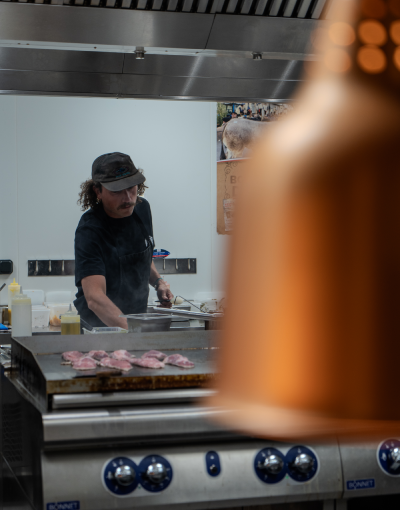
(88, 198)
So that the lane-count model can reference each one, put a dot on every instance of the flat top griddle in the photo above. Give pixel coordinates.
(36, 363)
(64, 379)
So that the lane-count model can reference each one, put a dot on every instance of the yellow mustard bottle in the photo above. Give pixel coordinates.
(71, 323)
(13, 289)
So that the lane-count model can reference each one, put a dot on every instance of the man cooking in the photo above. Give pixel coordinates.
(114, 245)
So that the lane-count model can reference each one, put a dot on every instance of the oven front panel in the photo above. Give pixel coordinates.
(210, 476)
(372, 468)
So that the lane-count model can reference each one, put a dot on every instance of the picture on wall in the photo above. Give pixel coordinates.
(239, 126)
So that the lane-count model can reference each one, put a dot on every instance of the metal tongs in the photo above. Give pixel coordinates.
(184, 299)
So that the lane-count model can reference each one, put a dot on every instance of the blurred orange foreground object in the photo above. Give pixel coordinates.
(311, 340)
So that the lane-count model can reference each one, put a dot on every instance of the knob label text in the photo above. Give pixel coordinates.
(64, 505)
(352, 485)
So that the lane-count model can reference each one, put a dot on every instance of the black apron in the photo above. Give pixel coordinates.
(133, 291)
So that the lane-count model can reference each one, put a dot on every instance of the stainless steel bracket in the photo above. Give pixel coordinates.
(51, 267)
(175, 266)
(67, 267)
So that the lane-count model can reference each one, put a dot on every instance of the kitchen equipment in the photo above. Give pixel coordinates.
(188, 314)
(40, 316)
(102, 331)
(37, 363)
(13, 289)
(22, 315)
(2, 287)
(70, 322)
(187, 301)
(136, 440)
(148, 322)
(5, 356)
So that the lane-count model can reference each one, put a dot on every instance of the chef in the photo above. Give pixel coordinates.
(114, 245)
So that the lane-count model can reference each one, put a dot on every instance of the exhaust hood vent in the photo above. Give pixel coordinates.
(232, 50)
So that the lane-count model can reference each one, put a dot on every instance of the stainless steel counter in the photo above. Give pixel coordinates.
(192, 325)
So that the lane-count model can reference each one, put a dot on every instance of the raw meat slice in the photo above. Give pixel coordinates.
(118, 364)
(154, 354)
(99, 355)
(147, 362)
(72, 355)
(179, 361)
(122, 355)
(84, 363)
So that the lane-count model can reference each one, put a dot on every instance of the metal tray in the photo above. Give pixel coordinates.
(148, 322)
(189, 314)
(36, 363)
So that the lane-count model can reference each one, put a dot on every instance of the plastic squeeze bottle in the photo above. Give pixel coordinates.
(71, 323)
(22, 315)
(13, 289)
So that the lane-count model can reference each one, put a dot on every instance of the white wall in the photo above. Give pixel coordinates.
(47, 146)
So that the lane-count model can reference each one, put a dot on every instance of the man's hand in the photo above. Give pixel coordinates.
(164, 294)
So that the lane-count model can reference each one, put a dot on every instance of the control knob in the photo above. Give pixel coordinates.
(156, 472)
(120, 476)
(124, 475)
(303, 463)
(273, 464)
(395, 457)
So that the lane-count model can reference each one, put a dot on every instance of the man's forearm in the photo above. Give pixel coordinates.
(154, 274)
(106, 311)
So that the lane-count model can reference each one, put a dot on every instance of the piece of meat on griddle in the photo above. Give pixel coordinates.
(118, 364)
(154, 354)
(84, 363)
(147, 362)
(99, 355)
(179, 361)
(72, 355)
(122, 355)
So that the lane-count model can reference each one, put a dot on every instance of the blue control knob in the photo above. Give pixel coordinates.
(302, 463)
(389, 456)
(155, 473)
(270, 465)
(121, 476)
(213, 463)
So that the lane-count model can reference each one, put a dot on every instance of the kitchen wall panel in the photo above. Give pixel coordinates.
(8, 189)
(51, 143)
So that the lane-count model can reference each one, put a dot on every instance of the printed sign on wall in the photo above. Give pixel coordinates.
(239, 127)
(229, 173)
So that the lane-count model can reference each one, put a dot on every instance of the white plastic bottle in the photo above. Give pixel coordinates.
(21, 315)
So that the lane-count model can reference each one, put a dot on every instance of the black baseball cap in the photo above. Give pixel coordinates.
(116, 171)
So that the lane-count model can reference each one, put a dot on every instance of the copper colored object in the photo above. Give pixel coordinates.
(317, 355)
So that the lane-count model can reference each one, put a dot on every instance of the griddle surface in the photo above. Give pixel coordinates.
(64, 379)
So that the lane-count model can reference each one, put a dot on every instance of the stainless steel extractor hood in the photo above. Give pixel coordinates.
(234, 50)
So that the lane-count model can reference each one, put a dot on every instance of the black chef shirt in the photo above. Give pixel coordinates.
(100, 240)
